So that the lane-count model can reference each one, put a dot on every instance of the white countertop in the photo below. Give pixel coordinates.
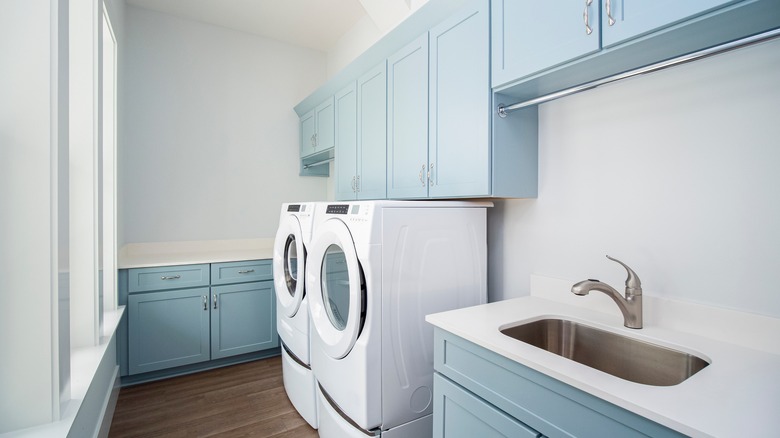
(144, 255)
(738, 394)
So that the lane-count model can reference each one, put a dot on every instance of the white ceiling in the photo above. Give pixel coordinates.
(317, 24)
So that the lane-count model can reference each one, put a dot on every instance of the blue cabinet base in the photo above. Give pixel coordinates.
(198, 367)
(471, 375)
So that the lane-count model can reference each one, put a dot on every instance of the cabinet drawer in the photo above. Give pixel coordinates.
(167, 277)
(458, 413)
(543, 403)
(241, 272)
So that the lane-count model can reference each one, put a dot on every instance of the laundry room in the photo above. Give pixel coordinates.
(387, 217)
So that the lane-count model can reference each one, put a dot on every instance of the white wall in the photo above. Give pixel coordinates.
(381, 17)
(352, 44)
(675, 173)
(209, 138)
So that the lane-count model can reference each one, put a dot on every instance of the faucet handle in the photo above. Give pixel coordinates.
(633, 284)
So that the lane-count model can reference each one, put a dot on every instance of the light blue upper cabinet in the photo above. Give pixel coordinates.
(459, 142)
(318, 129)
(325, 136)
(543, 47)
(346, 142)
(407, 121)
(622, 20)
(371, 181)
(361, 137)
(308, 131)
(530, 36)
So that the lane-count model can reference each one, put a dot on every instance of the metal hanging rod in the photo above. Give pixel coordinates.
(504, 110)
(318, 163)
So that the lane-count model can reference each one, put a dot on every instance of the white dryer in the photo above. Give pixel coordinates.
(376, 268)
(293, 238)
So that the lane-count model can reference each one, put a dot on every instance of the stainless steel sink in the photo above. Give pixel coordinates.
(621, 356)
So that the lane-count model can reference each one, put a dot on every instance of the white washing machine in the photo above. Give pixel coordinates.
(293, 238)
(376, 268)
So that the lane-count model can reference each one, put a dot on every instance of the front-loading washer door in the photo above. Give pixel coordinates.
(289, 265)
(337, 290)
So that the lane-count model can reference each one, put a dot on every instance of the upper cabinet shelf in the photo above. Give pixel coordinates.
(541, 48)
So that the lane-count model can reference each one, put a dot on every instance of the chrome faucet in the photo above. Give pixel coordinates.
(630, 306)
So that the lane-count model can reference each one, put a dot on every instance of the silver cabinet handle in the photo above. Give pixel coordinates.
(609, 13)
(246, 271)
(172, 277)
(215, 301)
(357, 183)
(430, 175)
(314, 140)
(205, 303)
(353, 184)
(421, 175)
(586, 17)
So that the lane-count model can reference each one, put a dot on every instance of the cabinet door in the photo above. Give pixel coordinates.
(530, 36)
(326, 125)
(407, 121)
(346, 142)
(243, 319)
(372, 134)
(459, 413)
(459, 145)
(308, 129)
(167, 329)
(633, 18)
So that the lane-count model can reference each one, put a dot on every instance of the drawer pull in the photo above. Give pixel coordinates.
(586, 17)
(172, 277)
(611, 20)
(215, 301)
(205, 303)
(246, 271)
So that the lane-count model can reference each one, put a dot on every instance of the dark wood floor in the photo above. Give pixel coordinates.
(246, 400)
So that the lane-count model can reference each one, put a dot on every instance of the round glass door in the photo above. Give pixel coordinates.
(334, 285)
(289, 266)
(337, 290)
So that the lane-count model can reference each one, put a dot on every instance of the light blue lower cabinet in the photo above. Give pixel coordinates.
(460, 414)
(168, 329)
(243, 319)
(177, 330)
(501, 389)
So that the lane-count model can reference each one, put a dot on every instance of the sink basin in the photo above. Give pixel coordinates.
(622, 356)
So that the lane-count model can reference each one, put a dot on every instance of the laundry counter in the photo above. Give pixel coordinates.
(154, 254)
